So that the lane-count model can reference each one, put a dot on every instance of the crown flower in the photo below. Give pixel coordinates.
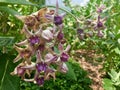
(36, 52)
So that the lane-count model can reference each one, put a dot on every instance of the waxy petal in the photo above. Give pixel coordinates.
(100, 34)
(28, 60)
(18, 49)
(27, 32)
(47, 34)
(64, 68)
(60, 47)
(67, 48)
(62, 15)
(22, 43)
(49, 17)
(38, 56)
(29, 80)
(17, 58)
(50, 73)
(22, 18)
(29, 66)
(48, 56)
(57, 7)
(38, 33)
(18, 70)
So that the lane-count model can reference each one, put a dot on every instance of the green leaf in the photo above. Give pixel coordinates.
(7, 82)
(9, 10)
(70, 74)
(115, 77)
(6, 41)
(108, 85)
(24, 2)
(56, 50)
(112, 74)
(119, 40)
(117, 51)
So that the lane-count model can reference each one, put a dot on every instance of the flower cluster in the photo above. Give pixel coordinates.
(37, 53)
(93, 26)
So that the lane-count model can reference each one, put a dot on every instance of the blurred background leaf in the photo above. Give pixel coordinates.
(24, 2)
(6, 67)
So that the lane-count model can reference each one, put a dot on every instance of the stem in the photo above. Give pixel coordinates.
(64, 11)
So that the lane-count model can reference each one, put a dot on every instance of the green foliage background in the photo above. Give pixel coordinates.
(10, 28)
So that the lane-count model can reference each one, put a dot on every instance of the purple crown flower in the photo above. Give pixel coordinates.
(34, 40)
(100, 34)
(41, 67)
(64, 57)
(40, 80)
(60, 36)
(58, 20)
(80, 31)
(99, 24)
(20, 71)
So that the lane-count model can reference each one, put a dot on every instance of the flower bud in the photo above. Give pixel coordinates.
(100, 34)
(99, 24)
(40, 80)
(41, 67)
(20, 71)
(47, 34)
(34, 40)
(60, 36)
(58, 20)
(64, 57)
(64, 68)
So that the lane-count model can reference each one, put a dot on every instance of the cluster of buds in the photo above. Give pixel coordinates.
(37, 53)
(93, 26)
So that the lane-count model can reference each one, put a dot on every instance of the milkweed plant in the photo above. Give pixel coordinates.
(43, 32)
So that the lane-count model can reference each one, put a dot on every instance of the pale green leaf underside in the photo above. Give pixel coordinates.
(9, 10)
(24, 2)
(6, 41)
(7, 82)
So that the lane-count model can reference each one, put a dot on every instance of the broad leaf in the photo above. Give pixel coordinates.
(7, 82)
(117, 51)
(70, 74)
(6, 41)
(24, 2)
(9, 10)
(119, 40)
(108, 85)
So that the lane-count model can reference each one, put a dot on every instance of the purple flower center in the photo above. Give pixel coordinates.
(99, 24)
(60, 36)
(34, 40)
(40, 81)
(58, 20)
(80, 31)
(41, 67)
(64, 57)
